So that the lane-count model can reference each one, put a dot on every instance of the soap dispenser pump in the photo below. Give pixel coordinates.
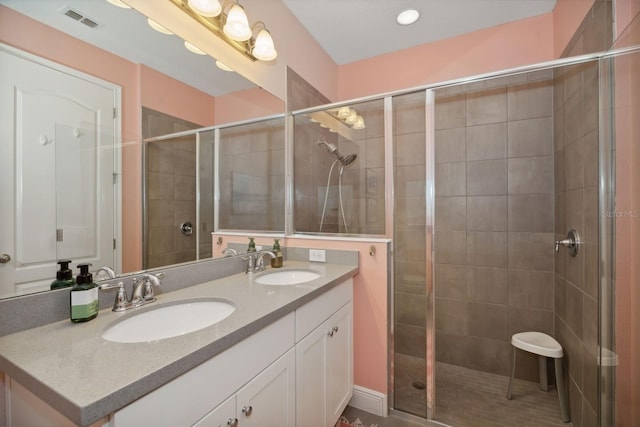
(64, 276)
(84, 296)
(276, 262)
(252, 245)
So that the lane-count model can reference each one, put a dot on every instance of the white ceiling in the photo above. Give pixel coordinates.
(349, 30)
(352, 30)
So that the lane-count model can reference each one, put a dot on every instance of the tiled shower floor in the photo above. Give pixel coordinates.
(470, 398)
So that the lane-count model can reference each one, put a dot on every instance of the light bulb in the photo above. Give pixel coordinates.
(208, 8)
(353, 117)
(359, 124)
(344, 112)
(237, 26)
(263, 48)
(408, 17)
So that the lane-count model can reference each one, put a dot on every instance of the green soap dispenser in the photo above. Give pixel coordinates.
(277, 261)
(64, 276)
(84, 296)
(252, 245)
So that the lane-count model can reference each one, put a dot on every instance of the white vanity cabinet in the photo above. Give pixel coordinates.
(324, 357)
(267, 400)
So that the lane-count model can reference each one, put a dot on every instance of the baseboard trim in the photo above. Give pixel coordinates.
(369, 400)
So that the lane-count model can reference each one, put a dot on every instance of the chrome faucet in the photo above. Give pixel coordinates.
(142, 291)
(255, 261)
(107, 270)
(229, 252)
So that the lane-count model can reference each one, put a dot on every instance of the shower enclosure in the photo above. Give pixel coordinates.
(485, 175)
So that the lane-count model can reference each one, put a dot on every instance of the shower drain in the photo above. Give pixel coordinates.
(419, 385)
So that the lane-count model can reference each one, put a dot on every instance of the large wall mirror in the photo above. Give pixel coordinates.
(168, 84)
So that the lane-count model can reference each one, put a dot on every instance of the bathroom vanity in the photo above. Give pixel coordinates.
(283, 357)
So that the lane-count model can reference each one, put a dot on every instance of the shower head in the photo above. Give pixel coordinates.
(331, 148)
(348, 159)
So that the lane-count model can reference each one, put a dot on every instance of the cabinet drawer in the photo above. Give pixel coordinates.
(313, 313)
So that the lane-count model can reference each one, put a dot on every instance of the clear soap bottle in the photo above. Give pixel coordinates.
(84, 296)
(252, 245)
(64, 276)
(277, 250)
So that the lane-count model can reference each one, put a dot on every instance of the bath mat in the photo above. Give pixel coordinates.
(343, 422)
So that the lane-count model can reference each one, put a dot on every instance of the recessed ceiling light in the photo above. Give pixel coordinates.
(408, 17)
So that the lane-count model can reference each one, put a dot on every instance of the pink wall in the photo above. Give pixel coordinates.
(505, 46)
(567, 16)
(163, 93)
(370, 319)
(246, 104)
(626, 11)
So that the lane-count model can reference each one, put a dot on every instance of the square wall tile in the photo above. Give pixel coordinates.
(451, 348)
(410, 309)
(451, 179)
(451, 247)
(524, 319)
(531, 213)
(487, 177)
(450, 111)
(488, 106)
(451, 281)
(410, 149)
(486, 142)
(450, 145)
(487, 249)
(451, 316)
(531, 175)
(451, 213)
(487, 285)
(486, 213)
(531, 251)
(488, 355)
(531, 137)
(530, 100)
(531, 289)
(487, 321)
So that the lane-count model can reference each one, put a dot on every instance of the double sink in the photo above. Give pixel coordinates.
(183, 317)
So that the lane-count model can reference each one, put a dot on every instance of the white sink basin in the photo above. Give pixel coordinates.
(167, 321)
(287, 277)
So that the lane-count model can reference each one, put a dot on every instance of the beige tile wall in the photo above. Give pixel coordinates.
(494, 220)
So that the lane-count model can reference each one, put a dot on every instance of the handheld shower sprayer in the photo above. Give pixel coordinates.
(332, 149)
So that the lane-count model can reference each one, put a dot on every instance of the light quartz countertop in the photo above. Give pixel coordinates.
(83, 376)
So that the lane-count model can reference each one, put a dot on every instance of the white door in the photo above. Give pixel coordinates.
(58, 148)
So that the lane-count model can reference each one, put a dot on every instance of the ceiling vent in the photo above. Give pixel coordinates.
(80, 17)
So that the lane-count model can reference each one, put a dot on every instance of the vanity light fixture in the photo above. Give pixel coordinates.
(223, 66)
(230, 23)
(193, 48)
(359, 124)
(159, 28)
(408, 17)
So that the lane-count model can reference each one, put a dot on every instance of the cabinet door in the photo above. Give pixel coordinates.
(311, 386)
(339, 363)
(224, 415)
(269, 399)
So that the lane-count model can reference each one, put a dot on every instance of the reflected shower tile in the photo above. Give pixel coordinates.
(486, 213)
(530, 175)
(488, 106)
(160, 213)
(487, 177)
(451, 179)
(530, 100)
(450, 281)
(591, 158)
(451, 348)
(451, 316)
(450, 145)
(410, 149)
(451, 213)
(185, 187)
(450, 111)
(451, 247)
(160, 186)
(410, 180)
(574, 165)
(531, 137)
(485, 142)
(487, 285)
(410, 309)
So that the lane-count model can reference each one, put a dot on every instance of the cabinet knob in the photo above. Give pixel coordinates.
(247, 410)
(233, 422)
(330, 333)
(334, 329)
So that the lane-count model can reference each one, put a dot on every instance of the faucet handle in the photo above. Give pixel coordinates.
(121, 301)
(152, 280)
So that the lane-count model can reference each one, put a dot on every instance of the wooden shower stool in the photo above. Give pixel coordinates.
(544, 346)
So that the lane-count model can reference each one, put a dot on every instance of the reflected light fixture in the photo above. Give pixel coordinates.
(118, 3)
(193, 48)
(348, 116)
(408, 17)
(230, 23)
(159, 28)
(208, 8)
(223, 66)
(359, 124)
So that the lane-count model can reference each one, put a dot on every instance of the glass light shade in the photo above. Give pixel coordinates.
(352, 119)
(191, 47)
(359, 124)
(159, 28)
(223, 66)
(237, 26)
(119, 4)
(344, 112)
(208, 8)
(408, 17)
(263, 48)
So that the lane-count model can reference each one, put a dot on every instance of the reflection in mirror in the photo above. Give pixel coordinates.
(124, 50)
(339, 175)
